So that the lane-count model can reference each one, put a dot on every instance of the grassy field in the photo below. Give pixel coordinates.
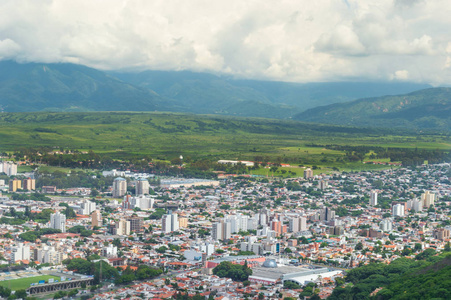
(24, 283)
(165, 136)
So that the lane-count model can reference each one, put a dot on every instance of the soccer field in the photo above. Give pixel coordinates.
(24, 283)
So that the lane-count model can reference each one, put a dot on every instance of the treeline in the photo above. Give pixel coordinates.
(126, 276)
(408, 157)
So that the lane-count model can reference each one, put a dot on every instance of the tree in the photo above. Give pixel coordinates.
(359, 246)
(21, 294)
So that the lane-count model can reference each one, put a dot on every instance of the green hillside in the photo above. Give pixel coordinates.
(402, 279)
(421, 110)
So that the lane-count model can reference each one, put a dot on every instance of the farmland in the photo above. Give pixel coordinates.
(164, 136)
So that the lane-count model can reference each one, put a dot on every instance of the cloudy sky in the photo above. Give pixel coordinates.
(302, 40)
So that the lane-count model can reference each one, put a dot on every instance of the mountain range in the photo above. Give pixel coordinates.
(70, 87)
(420, 110)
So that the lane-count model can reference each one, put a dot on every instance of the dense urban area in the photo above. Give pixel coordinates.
(119, 234)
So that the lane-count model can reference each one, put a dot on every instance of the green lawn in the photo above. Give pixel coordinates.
(24, 283)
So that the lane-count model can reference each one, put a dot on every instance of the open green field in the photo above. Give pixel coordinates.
(165, 136)
(24, 283)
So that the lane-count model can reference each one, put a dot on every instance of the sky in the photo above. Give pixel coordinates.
(298, 40)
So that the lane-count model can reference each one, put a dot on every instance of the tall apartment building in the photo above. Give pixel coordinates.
(58, 221)
(386, 225)
(136, 224)
(276, 226)
(96, 219)
(119, 187)
(428, 199)
(48, 254)
(441, 234)
(9, 168)
(297, 224)
(221, 230)
(373, 198)
(142, 187)
(308, 173)
(14, 185)
(170, 223)
(398, 210)
(323, 184)
(29, 184)
(87, 207)
(122, 227)
(327, 214)
(183, 222)
(20, 252)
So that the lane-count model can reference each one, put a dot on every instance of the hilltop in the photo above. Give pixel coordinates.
(424, 109)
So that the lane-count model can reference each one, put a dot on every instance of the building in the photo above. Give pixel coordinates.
(308, 173)
(29, 184)
(183, 222)
(122, 227)
(48, 189)
(119, 187)
(109, 251)
(136, 224)
(141, 202)
(14, 185)
(21, 252)
(87, 207)
(170, 223)
(373, 198)
(58, 221)
(398, 210)
(96, 219)
(428, 199)
(48, 255)
(441, 234)
(221, 230)
(297, 224)
(386, 225)
(327, 214)
(322, 184)
(9, 168)
(142, 187)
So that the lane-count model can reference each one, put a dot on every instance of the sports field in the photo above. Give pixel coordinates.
(24, 283)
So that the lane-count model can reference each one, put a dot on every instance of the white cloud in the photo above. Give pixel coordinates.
(275, 39)
(401, 75)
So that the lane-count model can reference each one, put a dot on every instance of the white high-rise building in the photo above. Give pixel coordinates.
(21, 252)
(297, 224)
(142, 187)
(119, 187)
(170, 223)
(216, 231)
(58, 221)
(87, 207)
(293, 225)
(398, 210)
(9, 168)
(373, 198)
(386, 225)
